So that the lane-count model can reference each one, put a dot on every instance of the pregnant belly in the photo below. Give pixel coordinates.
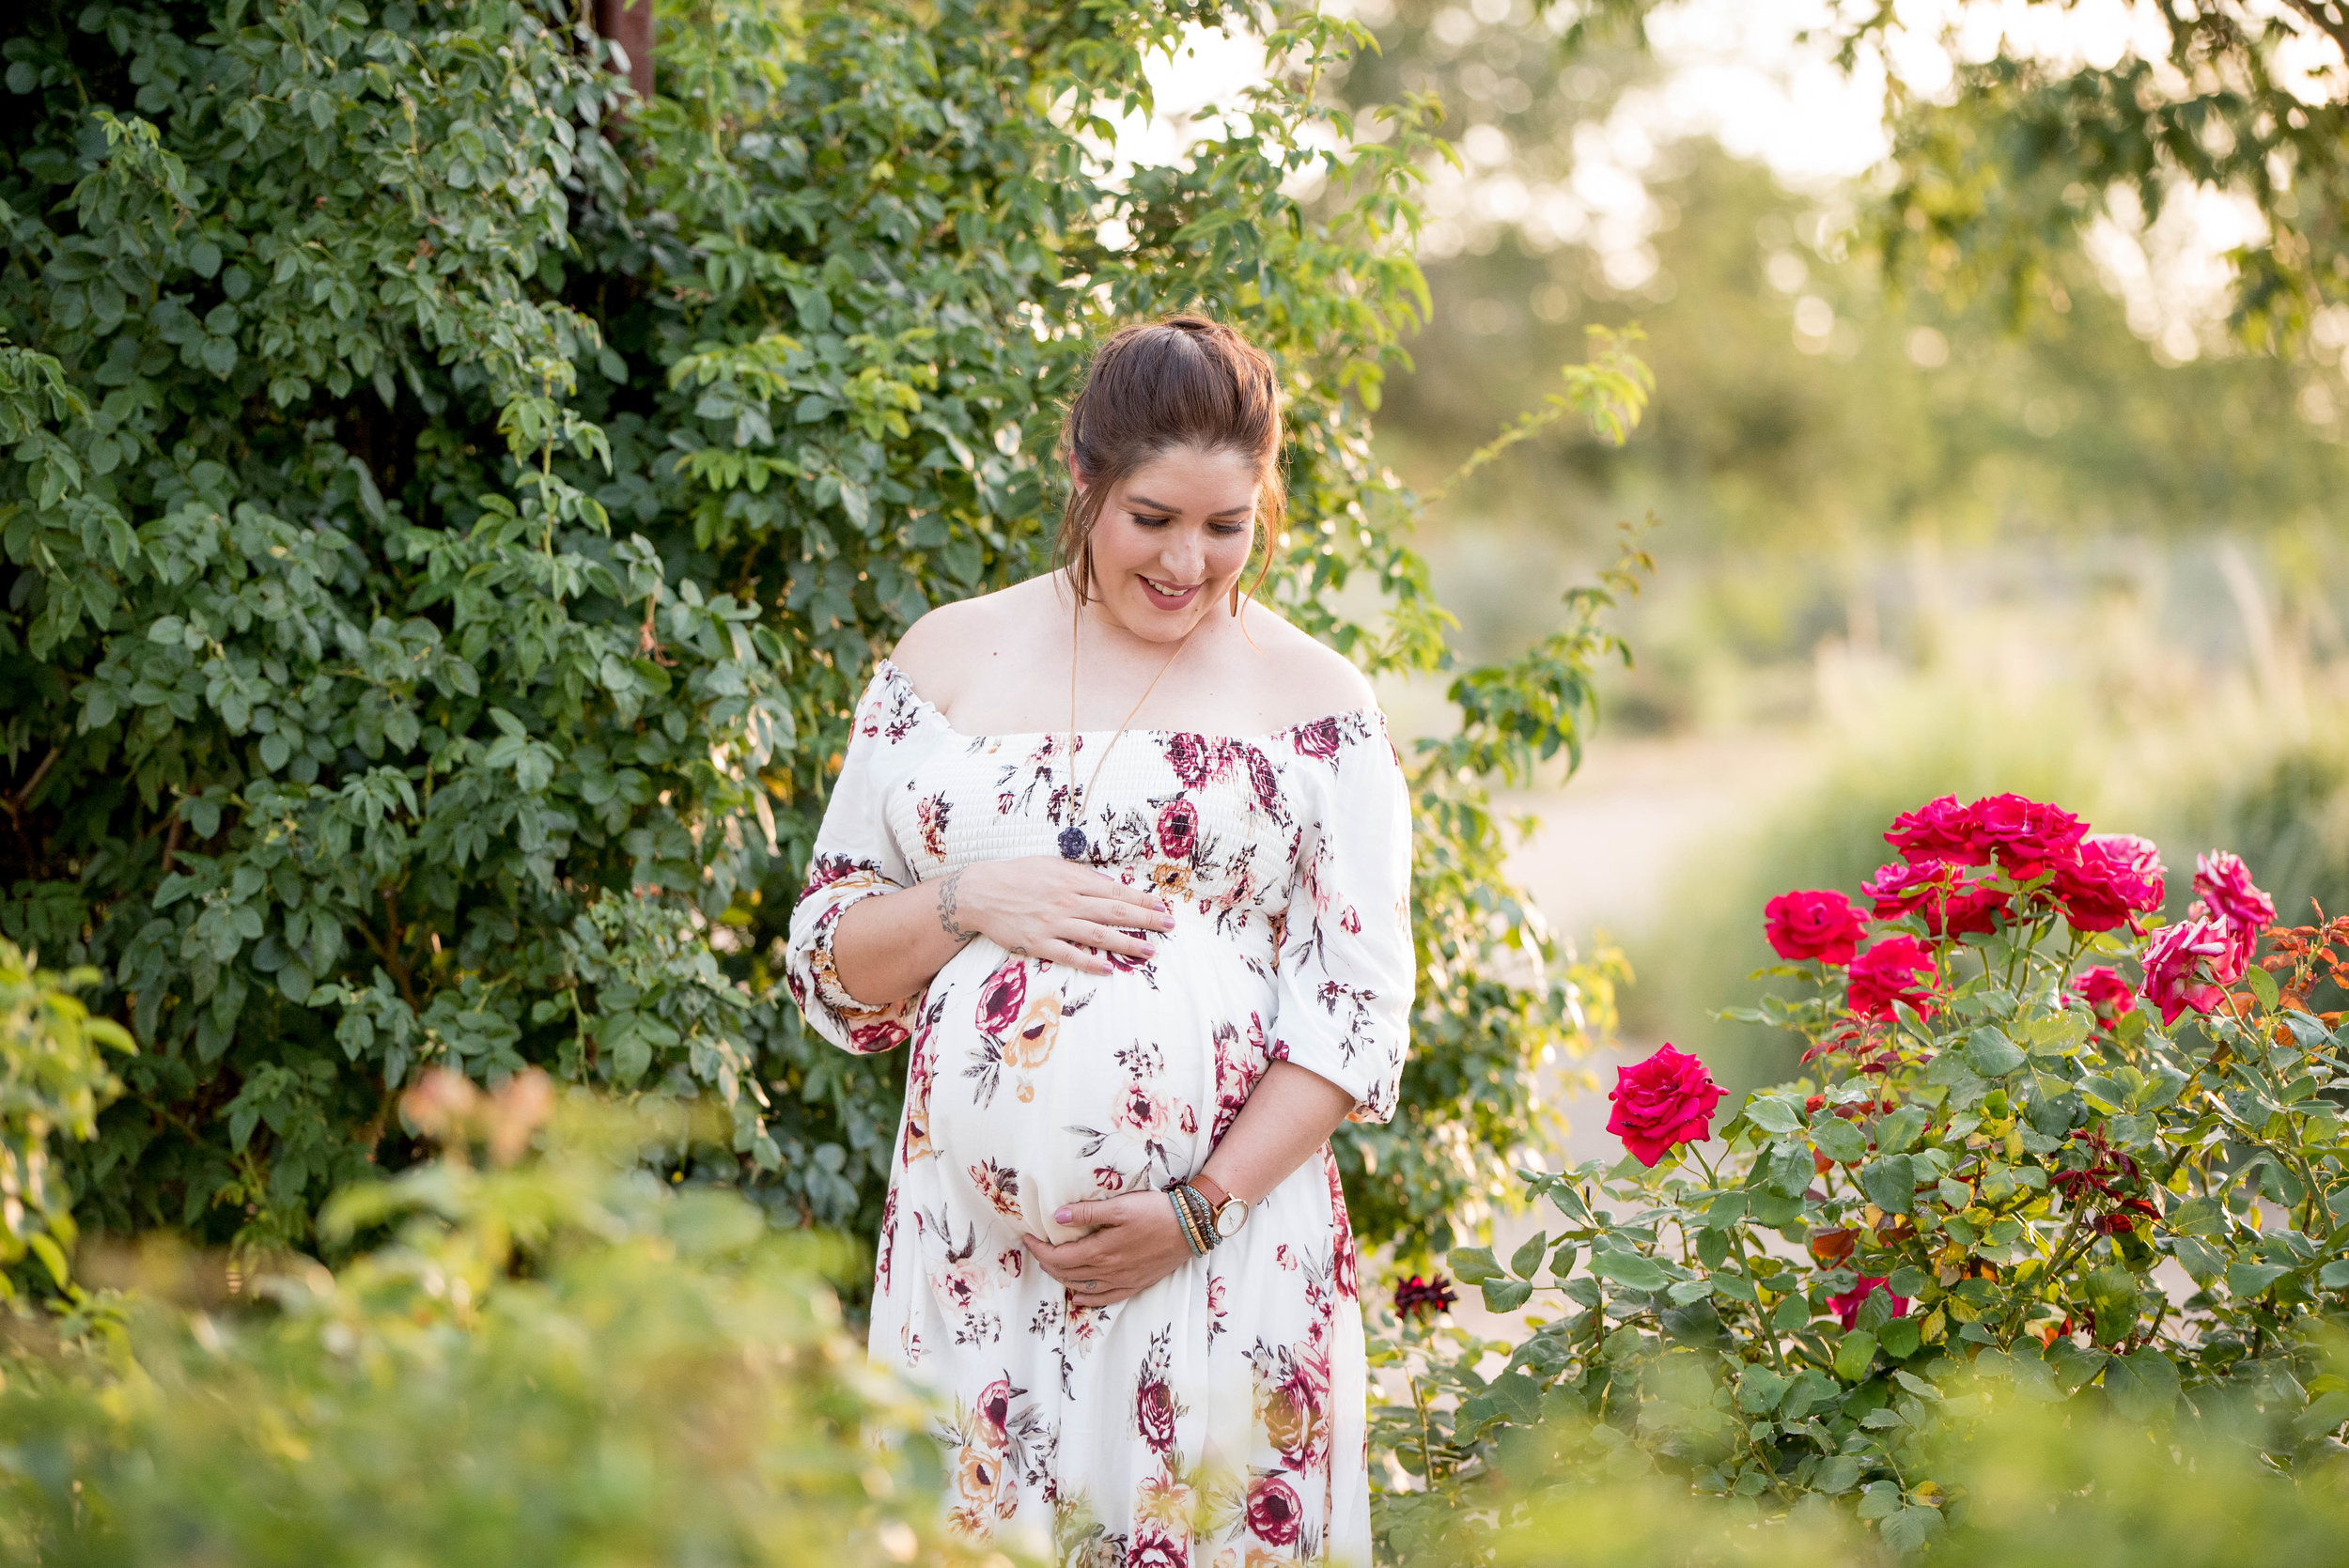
(1051, 1087)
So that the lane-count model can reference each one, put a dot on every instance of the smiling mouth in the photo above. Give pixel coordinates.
(1166, 591)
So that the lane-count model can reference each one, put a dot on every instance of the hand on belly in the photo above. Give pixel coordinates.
(1133, 1244)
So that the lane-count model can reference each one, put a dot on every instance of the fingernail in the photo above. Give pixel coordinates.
(1060, 1216)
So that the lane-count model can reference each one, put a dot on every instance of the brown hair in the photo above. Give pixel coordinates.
(1184, 381)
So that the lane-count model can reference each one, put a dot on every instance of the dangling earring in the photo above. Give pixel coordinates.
(1084, 570)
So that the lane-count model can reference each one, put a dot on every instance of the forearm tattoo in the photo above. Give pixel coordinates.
(948, 910)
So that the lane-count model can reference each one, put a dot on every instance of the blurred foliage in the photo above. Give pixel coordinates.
(2044, 1486)
(1995, 1183)
(449, 521)
(554, 1359)
(53, 1078)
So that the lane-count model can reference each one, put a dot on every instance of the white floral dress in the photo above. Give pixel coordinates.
(1215, 1420)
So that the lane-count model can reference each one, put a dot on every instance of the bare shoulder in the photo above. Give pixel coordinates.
(938, 651)
(1301, 679)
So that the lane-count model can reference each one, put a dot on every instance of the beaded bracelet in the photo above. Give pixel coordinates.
(1202, 1215)
(1183, 1222)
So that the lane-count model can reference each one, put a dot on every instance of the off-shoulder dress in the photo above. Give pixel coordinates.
(1215, 1420)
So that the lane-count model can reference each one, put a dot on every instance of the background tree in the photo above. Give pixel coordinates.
(449, 524)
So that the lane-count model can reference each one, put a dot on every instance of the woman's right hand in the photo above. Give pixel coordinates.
(1042, 907)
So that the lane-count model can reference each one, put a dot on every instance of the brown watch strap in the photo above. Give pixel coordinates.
(1212, 1190)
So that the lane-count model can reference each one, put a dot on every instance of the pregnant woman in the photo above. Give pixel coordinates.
(1123, 857)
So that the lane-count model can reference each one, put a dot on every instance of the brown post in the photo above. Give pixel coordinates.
(628, 23)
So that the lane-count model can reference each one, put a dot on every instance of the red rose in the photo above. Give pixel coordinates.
(1667, 1099)
(1940, 830)
(1954, 902)
(1273, 1511)
(2028, 837)
(1155, 1412)
(2114, 877)
(1319, 740)
(1002, 997)
(1423, 1299)
(2185, 967)
(2106, 994)
(1889, 972)
(1811, 924)
(870, 1039)
(1846, 1306)
(1188, 755)
(1153, 1548)
(1178, 830)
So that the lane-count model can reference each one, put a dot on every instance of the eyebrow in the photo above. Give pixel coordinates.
(1162, 507)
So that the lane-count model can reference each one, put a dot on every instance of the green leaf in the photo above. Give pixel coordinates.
(1839, 1474)
(1772, 1115)
(1527, 1258)
(1991, 1053)
(1896, 1132)
(2143, 1385)
(2262, 986)
(1505, 1295)
(1890, 1184)
(1759, 1391)
(1628, 1270)
(1473, 1265)
(2335, 1275)
(1908, 1529)
(1855, 1354)
(1839, 1140)
(2201, 1216)
(2251, 1279)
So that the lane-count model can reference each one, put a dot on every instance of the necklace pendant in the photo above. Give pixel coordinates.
(1072, 842)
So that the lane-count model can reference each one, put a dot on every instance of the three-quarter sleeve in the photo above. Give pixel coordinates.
(1343, 1009)
(855, 858)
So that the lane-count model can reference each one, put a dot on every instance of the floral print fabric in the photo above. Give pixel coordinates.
(1216, 1418)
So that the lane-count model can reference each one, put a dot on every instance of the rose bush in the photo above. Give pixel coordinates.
(2000, 1168)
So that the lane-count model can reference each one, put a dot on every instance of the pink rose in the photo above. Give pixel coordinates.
(995, 1416)
(1846, 1306)
(2028, 837)
(2182, 964)
(2228, 894)
(1319, 740)
(1141, 1113)
(1938, 831)
(1178, 830)
(1667, 1099)
(1896, 969)
(1274, 1515)
(2115, 878)
(1954, 902)
(1811, 924)
(1003, 997)
(2224, 883)
(2106, 994)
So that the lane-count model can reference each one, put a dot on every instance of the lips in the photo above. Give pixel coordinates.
(1169, 598)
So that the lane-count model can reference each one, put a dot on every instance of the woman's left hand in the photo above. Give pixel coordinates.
(1135, 1243)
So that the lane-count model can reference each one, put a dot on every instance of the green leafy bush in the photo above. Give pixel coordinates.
(447, 527)
(53, 1078)
(2012, 1164)
(556, 1359)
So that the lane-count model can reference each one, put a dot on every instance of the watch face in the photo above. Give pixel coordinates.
(1230, 1218)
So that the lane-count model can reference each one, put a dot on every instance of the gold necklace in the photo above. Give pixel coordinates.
(1073, 846)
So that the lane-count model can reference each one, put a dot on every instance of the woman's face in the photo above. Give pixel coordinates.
(1172, 540)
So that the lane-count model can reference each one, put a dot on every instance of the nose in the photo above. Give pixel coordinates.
(1184, 557)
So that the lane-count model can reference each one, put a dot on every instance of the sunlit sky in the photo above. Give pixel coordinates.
(1741, 72)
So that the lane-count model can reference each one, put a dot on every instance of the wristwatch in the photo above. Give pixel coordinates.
(1227, 1213)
